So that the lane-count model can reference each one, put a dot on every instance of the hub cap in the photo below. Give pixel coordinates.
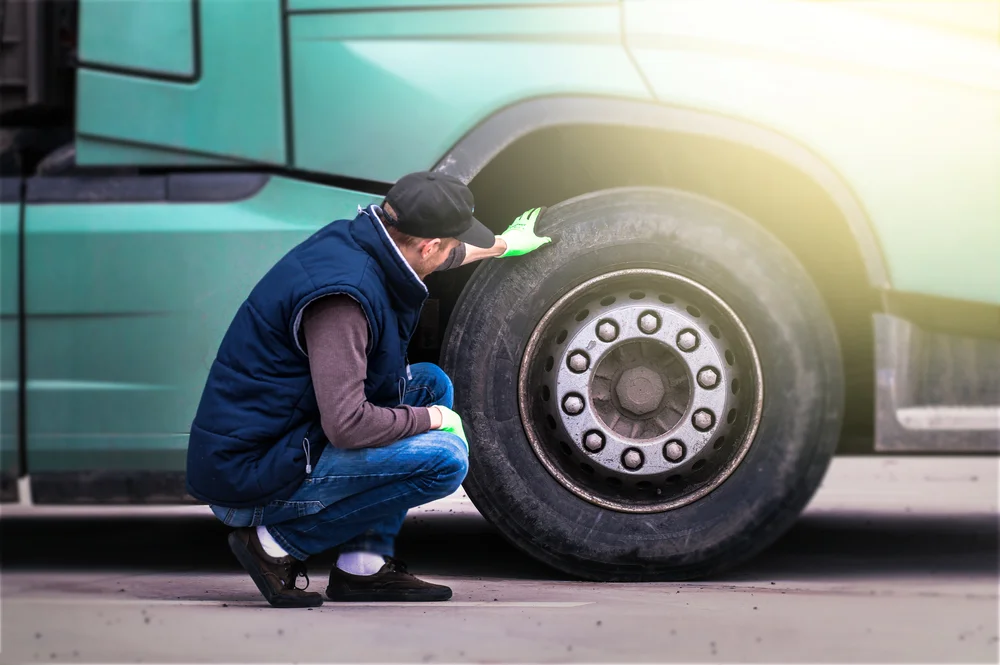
(640, 390)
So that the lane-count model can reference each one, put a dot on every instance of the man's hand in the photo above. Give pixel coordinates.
(520, 236)
(448, 421)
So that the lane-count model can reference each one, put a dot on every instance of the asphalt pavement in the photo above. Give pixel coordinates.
(895, 560)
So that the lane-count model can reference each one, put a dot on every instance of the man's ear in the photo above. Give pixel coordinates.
(429, 247)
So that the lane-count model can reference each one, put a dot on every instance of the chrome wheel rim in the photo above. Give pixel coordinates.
(640, 390)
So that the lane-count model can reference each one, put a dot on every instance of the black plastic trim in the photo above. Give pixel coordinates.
(8, 486)
(110, 487)
(286, 85)
(96, 189)
(214, 187)
(10, 190)
(139, 72)
(492, 136)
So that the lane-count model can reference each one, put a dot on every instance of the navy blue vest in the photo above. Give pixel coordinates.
(257, 430)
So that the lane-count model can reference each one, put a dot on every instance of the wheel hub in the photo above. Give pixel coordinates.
(639, 392)
(639, 388)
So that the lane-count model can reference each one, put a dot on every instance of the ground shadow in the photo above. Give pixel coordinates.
(464, 545)
(828, 546)
(461, 545)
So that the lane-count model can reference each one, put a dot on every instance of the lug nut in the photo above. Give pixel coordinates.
(674, 451)
(632, 458)
(573, 404)
(579, 362)
(708, 378)
(648, 323)
(594, 441)
(607, 331)
(687, 340)
(703, 419)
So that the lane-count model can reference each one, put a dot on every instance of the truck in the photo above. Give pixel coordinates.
(775, 224)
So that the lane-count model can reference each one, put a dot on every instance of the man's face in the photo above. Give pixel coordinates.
(428, 255)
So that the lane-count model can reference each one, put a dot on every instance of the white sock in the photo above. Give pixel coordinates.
(269, 544)
(360, 563)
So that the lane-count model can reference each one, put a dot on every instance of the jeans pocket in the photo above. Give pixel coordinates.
(307, 508)
(420, 396)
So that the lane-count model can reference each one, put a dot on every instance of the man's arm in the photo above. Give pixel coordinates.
(336, 336)
(517, 240)
(465, 254)
(473, 253)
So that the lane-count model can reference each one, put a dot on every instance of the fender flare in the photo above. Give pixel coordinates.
(488, 139)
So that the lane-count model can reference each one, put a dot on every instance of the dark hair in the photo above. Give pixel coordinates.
(388, 218)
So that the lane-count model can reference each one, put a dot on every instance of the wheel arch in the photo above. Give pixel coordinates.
(498, 133)
(546, 150)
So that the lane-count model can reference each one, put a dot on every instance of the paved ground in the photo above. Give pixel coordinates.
(896, 560)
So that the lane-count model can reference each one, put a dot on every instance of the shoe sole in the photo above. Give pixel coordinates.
(246, 559)
(390, 596)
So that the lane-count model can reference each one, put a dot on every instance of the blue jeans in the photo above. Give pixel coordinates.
(356, 500)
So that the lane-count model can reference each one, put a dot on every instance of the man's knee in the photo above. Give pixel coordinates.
(236, 517)
(448, 462)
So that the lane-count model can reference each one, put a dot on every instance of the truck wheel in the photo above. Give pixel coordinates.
(655, 395)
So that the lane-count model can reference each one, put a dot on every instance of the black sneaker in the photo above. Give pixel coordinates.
(390, 584)
(276, 578)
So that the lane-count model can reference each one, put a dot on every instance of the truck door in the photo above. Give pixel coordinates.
(185, 82)
(130, 284)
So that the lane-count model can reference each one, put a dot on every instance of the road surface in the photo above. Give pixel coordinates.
(895, 560)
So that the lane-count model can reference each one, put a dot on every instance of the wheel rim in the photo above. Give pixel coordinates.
(640, 390)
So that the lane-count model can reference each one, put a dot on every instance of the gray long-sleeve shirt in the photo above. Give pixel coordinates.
(336, 339)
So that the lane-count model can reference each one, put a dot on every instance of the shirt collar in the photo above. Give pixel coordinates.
(403, 268)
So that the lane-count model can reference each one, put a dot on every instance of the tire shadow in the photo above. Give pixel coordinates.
(824, 546)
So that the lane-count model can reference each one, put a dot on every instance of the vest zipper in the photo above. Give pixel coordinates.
(307, 448)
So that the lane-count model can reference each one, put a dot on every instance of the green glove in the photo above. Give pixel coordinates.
(520, 236)
(452, 422)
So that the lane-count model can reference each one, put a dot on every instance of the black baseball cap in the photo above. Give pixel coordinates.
(436, 205)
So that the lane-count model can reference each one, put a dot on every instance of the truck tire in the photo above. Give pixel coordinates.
(655, 395)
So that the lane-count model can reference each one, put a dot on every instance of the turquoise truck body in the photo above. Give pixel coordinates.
(905, 109)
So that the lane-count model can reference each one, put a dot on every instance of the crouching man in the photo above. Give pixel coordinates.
(313, 432)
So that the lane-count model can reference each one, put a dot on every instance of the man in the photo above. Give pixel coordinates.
(313, 431)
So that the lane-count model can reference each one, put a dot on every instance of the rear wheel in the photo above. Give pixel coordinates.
(656, 395)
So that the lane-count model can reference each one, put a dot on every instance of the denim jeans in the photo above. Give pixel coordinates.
(356, 500)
